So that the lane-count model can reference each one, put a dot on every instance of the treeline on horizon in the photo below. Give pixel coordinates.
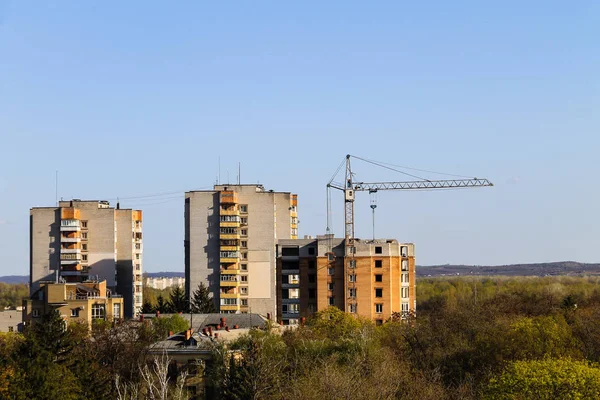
(488, 338)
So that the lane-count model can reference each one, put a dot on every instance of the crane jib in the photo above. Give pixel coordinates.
(439, 184)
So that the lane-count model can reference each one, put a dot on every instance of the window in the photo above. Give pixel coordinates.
(378, 263)
(137, 267)
(290, 251)
(312, 278)
(405, 307)
(352, 293)
(244, 256)
(84, 257)
(293, 309)
(244, 232)
(244, 278)
(352, 264)
(138, 246)
(404, 292)
(244, 220)
(330, 256)
(330, 271)
(244, 267)
(75, 312)
(84, 235)
(378, 278)
(352, 308)
(244, 243)
(331, 301)
(117, 310)
(378, 308)
(84, 224)
(404, 265)
(378, 322)
(229, 302)
(244, 208)
(294, 232)
(84, 246)
(330, 286)
(312, 293)
(229, 218)
(404, 278)
(378, 250)
(311, 308)
(35, 313)
(98, 311)
(11, 329)
(243, 290)
(352, 278)
(228, 231)
(138, 289)
(312, 264)
(404, 251)
(378, 292)
(244, 302)
(311, 251)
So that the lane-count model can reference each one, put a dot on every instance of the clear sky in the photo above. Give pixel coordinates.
(128, 99)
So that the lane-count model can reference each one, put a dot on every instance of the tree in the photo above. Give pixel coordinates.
(201, 300)
(162, 305)
(546, 379)
(177, 300)
(163, 325)
(147, 308)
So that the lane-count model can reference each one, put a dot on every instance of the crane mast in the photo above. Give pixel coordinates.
(349, 187)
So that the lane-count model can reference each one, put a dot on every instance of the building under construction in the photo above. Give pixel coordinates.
(311, 276)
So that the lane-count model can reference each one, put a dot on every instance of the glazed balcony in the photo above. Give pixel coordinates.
(230, 308)
(70, 225)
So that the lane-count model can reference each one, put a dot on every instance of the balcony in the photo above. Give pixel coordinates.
(229, 284)
(229, 236)
(229, 197)
(72, 268)
(70, 225)
(234, 212)
(70, 213)
(230, 224)
(230, 248)
(230, 295)
(230, 271)
(230, 308)
(70, 251)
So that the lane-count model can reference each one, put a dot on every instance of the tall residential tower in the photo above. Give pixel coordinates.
(81, 240)
(230, 237)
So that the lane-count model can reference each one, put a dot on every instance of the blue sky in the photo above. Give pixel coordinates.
(128, 100)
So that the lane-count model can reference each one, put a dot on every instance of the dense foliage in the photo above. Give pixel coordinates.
(472, 338)
(12, 295)
(497, 338)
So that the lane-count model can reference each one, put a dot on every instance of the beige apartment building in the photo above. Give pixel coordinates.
(84, 239)
(82, 302)
(230, 237)
(311, 276)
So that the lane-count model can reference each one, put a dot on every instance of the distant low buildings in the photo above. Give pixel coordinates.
(164, 282)
(81, 301)
(11, 320)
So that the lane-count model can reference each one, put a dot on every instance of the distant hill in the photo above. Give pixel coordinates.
(563, 268)
(13, 279)
(167, 274)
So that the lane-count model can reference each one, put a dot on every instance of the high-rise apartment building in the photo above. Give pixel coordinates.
(311, 277)
(88, 240)
(230, 237)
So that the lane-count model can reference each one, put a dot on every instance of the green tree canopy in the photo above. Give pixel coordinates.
(201, 301)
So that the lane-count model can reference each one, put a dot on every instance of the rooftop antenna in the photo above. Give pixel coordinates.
(373, 194)
(56, 188)
(239, 173)
(219, 176)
